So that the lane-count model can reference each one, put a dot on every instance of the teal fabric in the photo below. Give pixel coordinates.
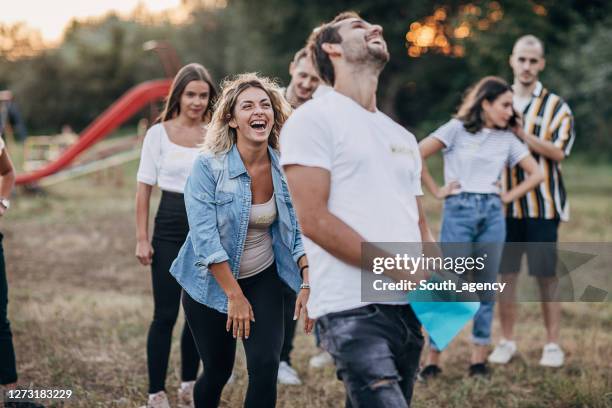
(443, 320)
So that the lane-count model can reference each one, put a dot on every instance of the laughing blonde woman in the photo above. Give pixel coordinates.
(244, 240)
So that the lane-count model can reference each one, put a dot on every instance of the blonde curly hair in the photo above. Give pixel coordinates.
(221, 136)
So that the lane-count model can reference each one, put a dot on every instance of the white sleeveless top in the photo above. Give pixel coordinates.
(258, 253)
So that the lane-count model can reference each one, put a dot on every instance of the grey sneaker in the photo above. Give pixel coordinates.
(158, 400)
(185, 395)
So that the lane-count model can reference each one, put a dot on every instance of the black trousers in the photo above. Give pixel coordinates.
(289, 298)
(8, 369)
(217, 347)
(170, 232)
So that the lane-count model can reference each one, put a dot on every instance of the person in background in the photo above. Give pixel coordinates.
(8, 365)
(322, 358)
(477, 144)
(304, 79)
(170, 147)
(11, 115)
(304, 82)
(547, 128)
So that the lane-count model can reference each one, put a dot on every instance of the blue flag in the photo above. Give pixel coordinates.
(443, 320)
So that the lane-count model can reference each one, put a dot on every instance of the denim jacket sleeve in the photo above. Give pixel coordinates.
(298, 248)
(202, 214)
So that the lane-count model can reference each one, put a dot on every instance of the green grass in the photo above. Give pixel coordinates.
(80, 306)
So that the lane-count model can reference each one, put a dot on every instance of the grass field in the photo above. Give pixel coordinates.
(80, 306)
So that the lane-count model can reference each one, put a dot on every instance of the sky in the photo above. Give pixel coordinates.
(51, 17)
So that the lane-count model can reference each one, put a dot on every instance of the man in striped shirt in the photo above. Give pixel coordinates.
(548, 131)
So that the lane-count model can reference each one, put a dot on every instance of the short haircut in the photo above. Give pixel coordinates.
(529, 39)
(326, 33)
(302, 53)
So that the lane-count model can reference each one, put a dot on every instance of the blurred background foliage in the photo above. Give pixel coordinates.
(438, 49)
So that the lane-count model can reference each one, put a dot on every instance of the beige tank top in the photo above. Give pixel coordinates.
(258, 253)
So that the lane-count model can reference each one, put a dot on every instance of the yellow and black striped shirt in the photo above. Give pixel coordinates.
(548, 117)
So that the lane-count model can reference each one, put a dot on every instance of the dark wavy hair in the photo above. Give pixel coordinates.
(190, 72)
(487, 89)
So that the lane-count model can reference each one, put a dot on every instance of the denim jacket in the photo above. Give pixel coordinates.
(218, 203)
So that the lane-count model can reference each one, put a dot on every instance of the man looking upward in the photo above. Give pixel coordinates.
(354, 176)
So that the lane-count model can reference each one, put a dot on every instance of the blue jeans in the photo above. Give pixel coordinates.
(376, 349)
(477, 219)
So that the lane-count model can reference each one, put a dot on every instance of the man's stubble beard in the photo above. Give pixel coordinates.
(380, 55)
(376, 58)
(526, 84)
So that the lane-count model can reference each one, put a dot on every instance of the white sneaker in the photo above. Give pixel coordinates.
(287, 375)
(552, 356)
(158, 400)
(503, 353)
(321, 360)
(185, 395)
(291, 369)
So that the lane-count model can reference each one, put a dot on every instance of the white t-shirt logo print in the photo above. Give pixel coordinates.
(402, 149)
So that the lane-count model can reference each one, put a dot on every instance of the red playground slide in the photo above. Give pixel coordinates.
(125, 107)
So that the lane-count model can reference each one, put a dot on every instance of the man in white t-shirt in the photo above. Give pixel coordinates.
(354, 176)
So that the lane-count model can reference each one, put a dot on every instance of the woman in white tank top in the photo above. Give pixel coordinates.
(169, 150)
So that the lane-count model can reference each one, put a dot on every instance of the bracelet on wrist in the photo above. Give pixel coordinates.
(304, 286)
(302, 271)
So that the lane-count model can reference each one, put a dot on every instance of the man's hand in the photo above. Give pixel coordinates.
(517, 129)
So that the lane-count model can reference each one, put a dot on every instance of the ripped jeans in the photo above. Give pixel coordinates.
(376, 349)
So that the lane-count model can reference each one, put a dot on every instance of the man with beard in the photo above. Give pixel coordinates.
(548, 131)
(354, 176)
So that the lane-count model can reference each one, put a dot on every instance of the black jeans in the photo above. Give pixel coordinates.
(8, 369)
(217, 347)
(376, 349)
(170, 231)
(289, 298)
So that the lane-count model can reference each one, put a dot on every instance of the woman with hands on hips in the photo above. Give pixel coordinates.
(244, 240)
(478, 144)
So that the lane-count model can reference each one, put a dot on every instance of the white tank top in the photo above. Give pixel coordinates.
(258, 253)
